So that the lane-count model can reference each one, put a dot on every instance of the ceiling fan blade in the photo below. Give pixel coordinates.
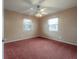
(28, 2)
(40, 2)
(51, 8)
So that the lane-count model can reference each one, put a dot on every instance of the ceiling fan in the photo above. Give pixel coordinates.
(36, 8)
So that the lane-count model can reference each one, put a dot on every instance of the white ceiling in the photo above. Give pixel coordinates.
(28, 6)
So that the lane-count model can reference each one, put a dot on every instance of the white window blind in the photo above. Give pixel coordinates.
(27, 23)
(53, 24)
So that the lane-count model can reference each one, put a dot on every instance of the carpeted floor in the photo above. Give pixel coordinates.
(39, 48)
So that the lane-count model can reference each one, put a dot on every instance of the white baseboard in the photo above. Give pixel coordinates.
(41, 36)
(8, 41)
(61, 41)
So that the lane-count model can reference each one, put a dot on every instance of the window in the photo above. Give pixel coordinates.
(53, 24)
(27, 24)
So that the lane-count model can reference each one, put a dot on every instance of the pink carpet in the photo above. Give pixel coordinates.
(39, 48)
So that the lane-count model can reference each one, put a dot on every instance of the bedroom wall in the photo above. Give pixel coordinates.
(67, 28)
(13, 27)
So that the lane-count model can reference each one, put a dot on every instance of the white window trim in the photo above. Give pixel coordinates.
(51, 22)
(26, 20)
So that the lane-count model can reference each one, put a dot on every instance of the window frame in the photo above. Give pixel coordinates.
(55, 28)
(29, 22)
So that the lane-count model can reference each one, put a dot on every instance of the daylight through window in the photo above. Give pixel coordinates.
(53, 24)
(27, 24)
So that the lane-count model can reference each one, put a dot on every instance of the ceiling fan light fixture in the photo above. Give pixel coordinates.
(38, 15)
(43, 9)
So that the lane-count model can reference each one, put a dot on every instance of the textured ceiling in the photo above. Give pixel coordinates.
(29, 6)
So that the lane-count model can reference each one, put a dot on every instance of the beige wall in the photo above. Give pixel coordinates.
(13, 26)
(66, 29)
